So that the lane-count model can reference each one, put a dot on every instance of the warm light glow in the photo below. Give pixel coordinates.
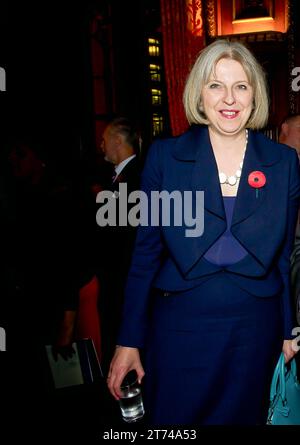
(158, 124)
(155, 72)
(156, 96)
(153, 41)
(260, 19)
(154, 47)
(154, 67)
(154, 50)
(253, 25)
(194, 17)
(228, 22)
(155, 91)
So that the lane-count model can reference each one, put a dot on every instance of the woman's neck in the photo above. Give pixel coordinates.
(229, 152)
(227, 143)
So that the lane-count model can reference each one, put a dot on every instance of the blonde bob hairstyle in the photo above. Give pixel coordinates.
(204, 67)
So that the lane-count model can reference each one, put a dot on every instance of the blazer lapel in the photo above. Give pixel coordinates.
(205, 177)
(258, 157)
(205, 172)
(248, 198)
(194, 147)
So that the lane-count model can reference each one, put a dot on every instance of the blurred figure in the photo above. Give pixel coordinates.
(120, 146)
(43, 289)
(27, 163)
(290, 135)
(295, 273)
(88, 320)
(290, 132)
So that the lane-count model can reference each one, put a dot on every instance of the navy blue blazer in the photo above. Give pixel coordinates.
(263, 222)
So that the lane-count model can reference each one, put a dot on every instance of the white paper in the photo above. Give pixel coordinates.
(65, 372)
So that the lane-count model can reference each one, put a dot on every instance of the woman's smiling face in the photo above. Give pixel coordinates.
(227, 98)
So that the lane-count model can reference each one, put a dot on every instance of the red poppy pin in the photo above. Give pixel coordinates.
(256, 180)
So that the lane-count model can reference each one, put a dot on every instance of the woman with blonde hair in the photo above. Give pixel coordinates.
(212, 313)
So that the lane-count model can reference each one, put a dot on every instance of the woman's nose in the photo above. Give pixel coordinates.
(229, 96)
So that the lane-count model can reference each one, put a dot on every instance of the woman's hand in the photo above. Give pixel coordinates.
(288, 350)
(124, 360)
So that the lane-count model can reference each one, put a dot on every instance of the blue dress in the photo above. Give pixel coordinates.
(216, 368)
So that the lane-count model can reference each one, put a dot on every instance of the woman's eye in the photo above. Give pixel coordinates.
(214, 85)
(242, 86)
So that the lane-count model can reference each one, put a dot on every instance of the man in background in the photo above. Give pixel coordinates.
(290, 135)
(120, 145)
(290, 132)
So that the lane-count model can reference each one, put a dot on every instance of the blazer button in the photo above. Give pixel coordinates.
(166, 294)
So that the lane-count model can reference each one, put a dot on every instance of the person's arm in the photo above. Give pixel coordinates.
(67, 294)
(65, 272)
(145, 261)
(284, 260)
(144, 265)
(63, 342)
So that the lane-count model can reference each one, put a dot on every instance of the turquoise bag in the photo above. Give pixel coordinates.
(284, 408)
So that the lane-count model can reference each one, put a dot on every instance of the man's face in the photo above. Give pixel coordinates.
(292, 132)
(109, 144)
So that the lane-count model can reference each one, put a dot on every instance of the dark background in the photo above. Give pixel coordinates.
(42, 76)
(38, 46)
(3, 59)
(48, 97)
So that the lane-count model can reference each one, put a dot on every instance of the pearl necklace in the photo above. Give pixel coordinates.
(232, 180)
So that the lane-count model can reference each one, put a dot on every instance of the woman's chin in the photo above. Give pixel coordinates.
(230, 130)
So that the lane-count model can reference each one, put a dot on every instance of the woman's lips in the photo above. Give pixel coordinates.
(229, 114)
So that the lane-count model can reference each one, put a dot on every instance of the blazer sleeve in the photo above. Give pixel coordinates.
(284, 260)
(145, 262)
